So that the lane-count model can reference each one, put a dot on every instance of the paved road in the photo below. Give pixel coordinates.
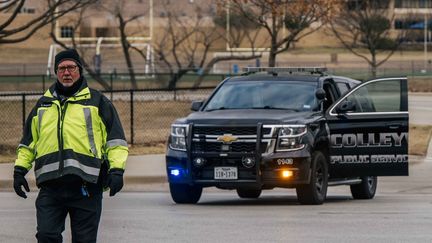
(401, 212)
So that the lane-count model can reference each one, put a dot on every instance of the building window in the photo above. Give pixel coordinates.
(398, 4)
(102, 32)
(413, 4)
(363, 4)
(356, 5)
(401, 24)
(66, 31)
(408, 24)
(27, 10)
(425, 4)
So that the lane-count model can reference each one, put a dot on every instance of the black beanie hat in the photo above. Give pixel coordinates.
(69, 54)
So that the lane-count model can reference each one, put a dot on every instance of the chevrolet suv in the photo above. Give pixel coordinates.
(292, 128)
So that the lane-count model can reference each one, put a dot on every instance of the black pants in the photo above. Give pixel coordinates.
(55, 202)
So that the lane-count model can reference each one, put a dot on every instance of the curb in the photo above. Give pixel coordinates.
(131, 183)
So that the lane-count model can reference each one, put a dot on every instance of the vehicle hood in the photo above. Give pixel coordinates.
(249, 116)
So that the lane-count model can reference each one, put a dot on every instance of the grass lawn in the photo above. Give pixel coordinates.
(419, 139)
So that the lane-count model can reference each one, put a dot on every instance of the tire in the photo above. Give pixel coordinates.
(315, 192)
(366, 189)
(184, 193)
(249, 193)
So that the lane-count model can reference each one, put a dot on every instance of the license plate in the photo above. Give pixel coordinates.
(225, 173)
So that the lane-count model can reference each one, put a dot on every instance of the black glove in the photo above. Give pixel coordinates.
(115, 181)
(19, 180)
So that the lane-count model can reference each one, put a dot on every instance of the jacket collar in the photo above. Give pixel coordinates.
(82, 94)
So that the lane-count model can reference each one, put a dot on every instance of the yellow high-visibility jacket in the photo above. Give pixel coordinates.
(72, 137)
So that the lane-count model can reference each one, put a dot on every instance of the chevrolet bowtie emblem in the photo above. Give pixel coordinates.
(227, 138)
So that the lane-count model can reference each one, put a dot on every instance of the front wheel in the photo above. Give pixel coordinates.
(184, 193)
(366, 189)
(315, 192)
(249, 193)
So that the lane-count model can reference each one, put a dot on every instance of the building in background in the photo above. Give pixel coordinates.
(100, 20)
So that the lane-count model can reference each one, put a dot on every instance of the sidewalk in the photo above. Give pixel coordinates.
(140, 169)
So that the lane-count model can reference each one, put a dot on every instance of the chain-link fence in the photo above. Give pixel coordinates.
(117, 81)
(415, 70)
(146, 115)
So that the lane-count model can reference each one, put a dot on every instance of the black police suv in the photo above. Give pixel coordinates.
(293, 128)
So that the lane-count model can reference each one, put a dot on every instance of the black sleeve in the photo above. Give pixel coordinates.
(111, 120)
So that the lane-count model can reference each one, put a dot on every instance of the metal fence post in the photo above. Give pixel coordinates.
(23, 110)
(175, 84)
(111, 81)
(131, 117)
(43, 83)
(111, 85)
(412, 68)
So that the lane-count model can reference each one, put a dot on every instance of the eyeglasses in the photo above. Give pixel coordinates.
(71, 68)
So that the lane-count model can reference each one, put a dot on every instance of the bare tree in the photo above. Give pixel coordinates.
(124, 16)
(76, 25)
(126, 46)
(122, 12)
(186, 42)
(284, 21)
(367, 25)
(13, 31)
(240, 30)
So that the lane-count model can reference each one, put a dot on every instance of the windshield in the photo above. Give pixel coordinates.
(296, 96)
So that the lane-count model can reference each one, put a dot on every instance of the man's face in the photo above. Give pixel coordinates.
(68, 73)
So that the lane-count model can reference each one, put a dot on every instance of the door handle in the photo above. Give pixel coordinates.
(394, 126)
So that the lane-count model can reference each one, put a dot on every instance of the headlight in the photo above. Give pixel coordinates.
(178, 137)
(289, 137)
(292, 131)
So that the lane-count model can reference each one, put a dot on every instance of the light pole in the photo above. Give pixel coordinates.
(425, 41)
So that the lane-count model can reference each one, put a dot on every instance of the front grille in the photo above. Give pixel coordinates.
(206, 139)
(238, 131)
(234, 147)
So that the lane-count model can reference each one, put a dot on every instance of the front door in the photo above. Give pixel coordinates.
(368, 130)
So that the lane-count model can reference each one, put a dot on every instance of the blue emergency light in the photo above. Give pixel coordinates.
(175, 172)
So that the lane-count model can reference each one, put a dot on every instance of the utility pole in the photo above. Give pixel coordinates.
(425, 41)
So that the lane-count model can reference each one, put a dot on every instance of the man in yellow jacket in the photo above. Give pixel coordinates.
(76, 141)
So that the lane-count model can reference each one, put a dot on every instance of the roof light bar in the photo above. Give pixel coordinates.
(275, 70)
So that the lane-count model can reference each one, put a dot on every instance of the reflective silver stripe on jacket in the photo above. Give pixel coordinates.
(47, 168)
(87, 169)
(25, 146)
(40, 115)
(89, 125)
(116, 142)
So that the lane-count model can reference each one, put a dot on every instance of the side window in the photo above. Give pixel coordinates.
(343, 88)
(360, 98)
(383, 96)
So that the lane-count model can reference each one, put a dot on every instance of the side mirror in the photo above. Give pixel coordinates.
(320, 94)
(345, 106)
(196, 105)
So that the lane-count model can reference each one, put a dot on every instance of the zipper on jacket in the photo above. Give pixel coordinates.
(62, 112)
